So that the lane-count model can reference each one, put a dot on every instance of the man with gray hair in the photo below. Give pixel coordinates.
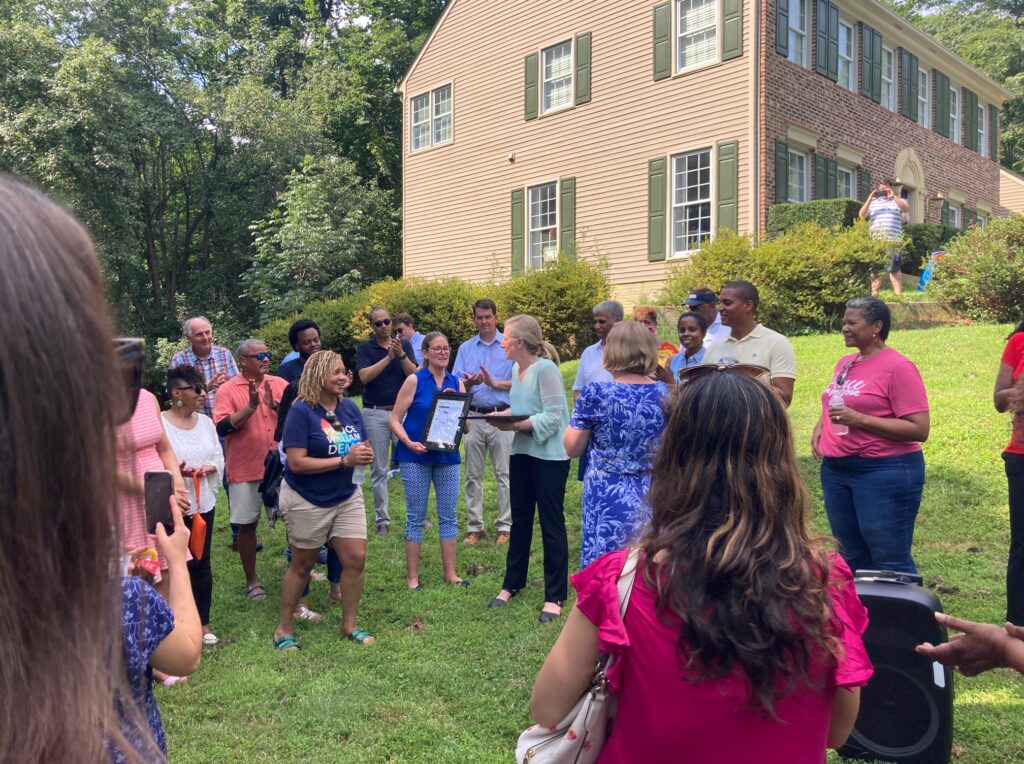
(591, 368)
(214, 362)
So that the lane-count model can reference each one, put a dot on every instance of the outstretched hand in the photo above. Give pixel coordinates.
(977, 648)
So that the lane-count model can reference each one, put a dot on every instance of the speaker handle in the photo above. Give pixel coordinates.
(889, 577)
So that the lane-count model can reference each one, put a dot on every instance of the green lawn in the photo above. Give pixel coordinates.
(449, 680)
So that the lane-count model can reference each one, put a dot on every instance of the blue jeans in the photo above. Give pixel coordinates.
(871, 506)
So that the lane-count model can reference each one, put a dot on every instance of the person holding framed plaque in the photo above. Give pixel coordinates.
(420, 466)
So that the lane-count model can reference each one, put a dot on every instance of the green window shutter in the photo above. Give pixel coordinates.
(821, 37)
(518, 231)
(531, 73)
(864, 181)
(833, 43)
(993, 134)
(583, 68)
(781, 172)
(662, 41)
(970, 120)
(970, 217)
(908, 84)
(876, 66)
(820, 180)
(944, 215)
(914, 85)
(732, 29)
(941, 123)
(567, 216)
(657, 201)
(728, 185)
(831, 179)
(782, 27)
(866, 60)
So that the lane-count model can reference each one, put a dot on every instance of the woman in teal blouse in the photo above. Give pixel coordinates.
(538, 466)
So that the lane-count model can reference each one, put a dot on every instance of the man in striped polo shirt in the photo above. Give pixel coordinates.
(885, 212)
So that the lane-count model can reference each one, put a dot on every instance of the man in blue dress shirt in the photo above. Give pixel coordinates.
(484, 351)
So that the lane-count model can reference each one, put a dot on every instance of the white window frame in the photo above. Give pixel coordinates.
(530, 229)
(570, 42)
(957, 215)
(798, 32)
(842, 171)
(851, 60)
(982, 130)
(714, 28)
(434, 120)
(954, 114)
(889, 83)
(683, 207)
(806, 194)
(924, 97)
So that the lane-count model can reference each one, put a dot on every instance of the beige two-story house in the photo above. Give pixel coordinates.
(633, 131)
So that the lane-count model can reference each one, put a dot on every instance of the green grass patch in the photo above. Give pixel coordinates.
(449, 680)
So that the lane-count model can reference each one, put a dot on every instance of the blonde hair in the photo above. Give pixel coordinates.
(642, 312)
(318, 368)
(526, 328)
(630, 347)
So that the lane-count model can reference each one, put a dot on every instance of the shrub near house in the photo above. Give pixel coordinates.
(804, 276)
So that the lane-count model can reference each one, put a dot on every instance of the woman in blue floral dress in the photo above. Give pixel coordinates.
(622, 422)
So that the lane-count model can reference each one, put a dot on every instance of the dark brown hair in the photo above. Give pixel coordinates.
(738, 566)
(61, 657)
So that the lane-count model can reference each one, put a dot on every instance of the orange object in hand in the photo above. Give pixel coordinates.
(197, 539)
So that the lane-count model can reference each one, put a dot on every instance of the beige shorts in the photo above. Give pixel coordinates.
(244, 502)
(310, 526)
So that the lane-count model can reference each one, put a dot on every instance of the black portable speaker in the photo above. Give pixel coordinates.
(906, 709)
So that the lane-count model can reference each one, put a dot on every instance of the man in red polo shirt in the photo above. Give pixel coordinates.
(246, 415)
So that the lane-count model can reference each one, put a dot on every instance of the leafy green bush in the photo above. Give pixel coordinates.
(561, 296)
(827, 213)
(921, 240)
(804, 277)
(983, 274)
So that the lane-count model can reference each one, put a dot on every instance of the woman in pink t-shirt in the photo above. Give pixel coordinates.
(1010, 390)
(742, 637)
(874, 417)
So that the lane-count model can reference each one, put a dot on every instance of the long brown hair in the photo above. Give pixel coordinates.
(61, 658)
(739, 565)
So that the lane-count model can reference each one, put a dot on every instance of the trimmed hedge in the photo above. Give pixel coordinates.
(804, 277)
(827, 213)
(983, 274)
(333, 316)
(921, 240)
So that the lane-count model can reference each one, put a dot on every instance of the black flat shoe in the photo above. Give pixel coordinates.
(546, 617)
(498, 602)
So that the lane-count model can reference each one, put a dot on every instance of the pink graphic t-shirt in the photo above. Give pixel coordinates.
(886, 384)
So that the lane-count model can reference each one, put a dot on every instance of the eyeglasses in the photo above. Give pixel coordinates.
(752, 370)
(197, 389)
(442, 351)
(266, 355)
(841, 376)
(382, 322)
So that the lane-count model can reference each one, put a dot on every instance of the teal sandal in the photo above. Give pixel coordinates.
(287, 643)
(362, 636)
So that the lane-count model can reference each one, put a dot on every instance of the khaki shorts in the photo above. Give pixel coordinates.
(310, 526)
(244, 502)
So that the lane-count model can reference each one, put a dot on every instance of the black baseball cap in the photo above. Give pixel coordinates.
(701, 297)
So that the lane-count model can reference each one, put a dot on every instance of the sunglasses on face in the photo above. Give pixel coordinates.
(266, 355)
(382, 322)
(197, 389)
(752, 370)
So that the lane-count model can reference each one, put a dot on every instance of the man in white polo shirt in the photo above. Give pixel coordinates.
(750, 342)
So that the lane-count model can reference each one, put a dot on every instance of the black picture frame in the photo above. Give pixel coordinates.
(446, 404)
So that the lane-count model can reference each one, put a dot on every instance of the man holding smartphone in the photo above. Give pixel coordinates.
(885, 211)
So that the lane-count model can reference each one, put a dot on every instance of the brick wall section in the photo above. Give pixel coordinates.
(790, 94)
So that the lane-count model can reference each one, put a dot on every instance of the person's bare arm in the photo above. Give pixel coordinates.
(845, 705)
(179, 652)
(369, 373)
(864, 207)
(908, 428)
(784, 387)
(170, 460)
(815, 437)
(567, 671)
(978, 647)
(575, 441)
(396, 420)
(1004, 384)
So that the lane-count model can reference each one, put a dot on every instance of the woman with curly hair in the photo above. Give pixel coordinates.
(742, 638)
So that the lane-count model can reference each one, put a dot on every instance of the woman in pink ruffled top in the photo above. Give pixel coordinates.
(742, 637)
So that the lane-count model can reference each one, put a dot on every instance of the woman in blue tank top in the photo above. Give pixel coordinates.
(420, 466)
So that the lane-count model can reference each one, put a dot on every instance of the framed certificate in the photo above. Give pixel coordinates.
(446, 421)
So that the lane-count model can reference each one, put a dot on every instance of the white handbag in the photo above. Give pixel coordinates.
(581, 734)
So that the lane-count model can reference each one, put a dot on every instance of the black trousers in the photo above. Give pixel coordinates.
(1015, 566)
(538, 484)
(200, 573)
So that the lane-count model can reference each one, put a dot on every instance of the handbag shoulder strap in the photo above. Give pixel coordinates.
(626, 580)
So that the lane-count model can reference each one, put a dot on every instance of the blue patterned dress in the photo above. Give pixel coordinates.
(625, 422)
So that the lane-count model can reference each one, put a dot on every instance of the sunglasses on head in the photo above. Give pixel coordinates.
(266, 355)
(752, 370)
(382, 322)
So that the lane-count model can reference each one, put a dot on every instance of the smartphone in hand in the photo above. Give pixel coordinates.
(880, 194)
(158, 490)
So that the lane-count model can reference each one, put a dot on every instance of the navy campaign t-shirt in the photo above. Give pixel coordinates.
(307, 427)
